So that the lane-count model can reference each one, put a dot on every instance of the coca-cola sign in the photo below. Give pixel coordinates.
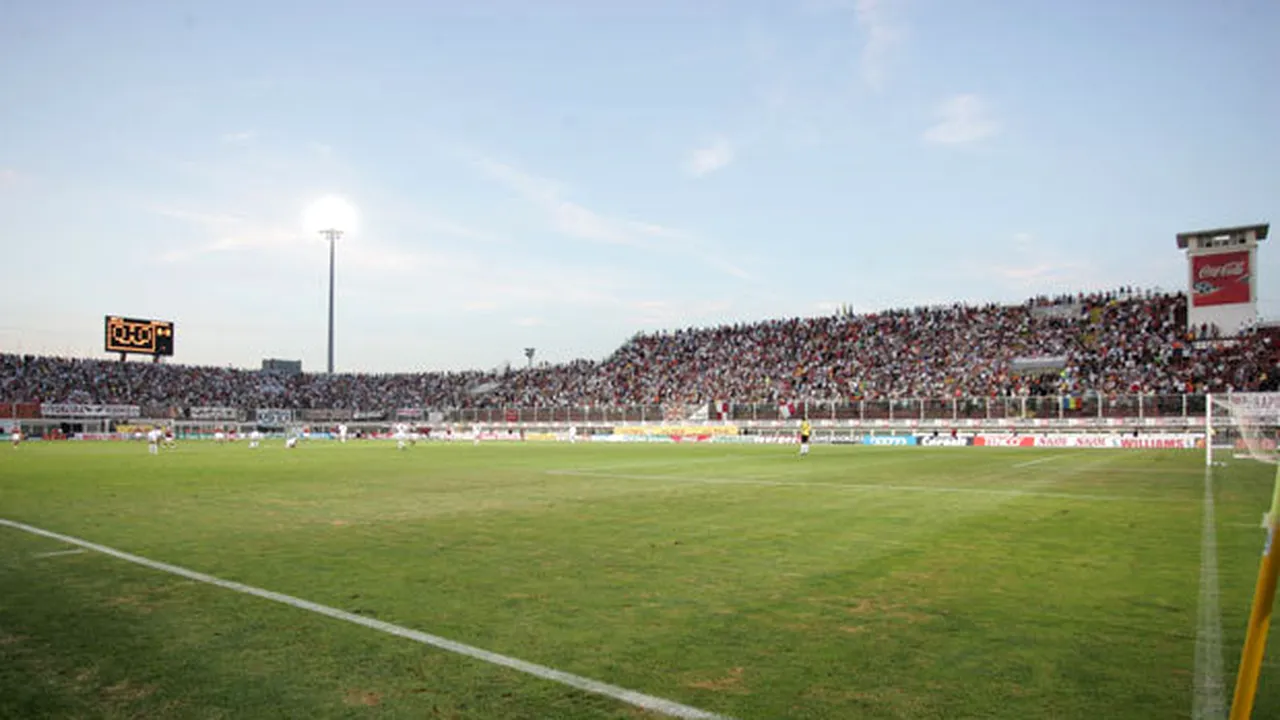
(1220, 279)
(1225, 270)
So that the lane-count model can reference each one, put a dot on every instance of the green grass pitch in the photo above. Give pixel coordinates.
(742, 580)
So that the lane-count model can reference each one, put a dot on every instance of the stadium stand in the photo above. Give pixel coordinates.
(1121, 342)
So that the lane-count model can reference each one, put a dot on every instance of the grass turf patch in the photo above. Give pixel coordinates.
(857, 582)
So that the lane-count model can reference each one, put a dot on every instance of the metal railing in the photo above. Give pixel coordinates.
(960, 408)
(1083, 407)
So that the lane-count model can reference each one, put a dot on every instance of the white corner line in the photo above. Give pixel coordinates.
(659, 705)
(1209, 700)
(58, 553)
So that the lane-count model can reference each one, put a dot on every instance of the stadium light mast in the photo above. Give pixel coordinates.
(332, 234)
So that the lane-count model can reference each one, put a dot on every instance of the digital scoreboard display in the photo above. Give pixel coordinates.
(144, 337)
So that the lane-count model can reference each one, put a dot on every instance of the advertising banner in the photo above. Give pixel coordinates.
(1164, 441)
(943, 441)
(889, 440)
(274, 416)
(20, 410)
(1220, 279)
(675, 430)
(214, 413)
(1004, 441)
(78, 410)
(736, 439)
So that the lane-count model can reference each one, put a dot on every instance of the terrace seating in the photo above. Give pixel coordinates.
(1119, 343)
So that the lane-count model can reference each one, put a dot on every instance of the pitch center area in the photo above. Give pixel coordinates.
(855, 582)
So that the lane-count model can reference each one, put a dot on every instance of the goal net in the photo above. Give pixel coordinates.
(1243, 425)
(1248, 425)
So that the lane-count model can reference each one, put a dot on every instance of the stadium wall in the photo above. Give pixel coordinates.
(1098, 421)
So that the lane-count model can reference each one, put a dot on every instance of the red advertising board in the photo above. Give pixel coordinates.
(1220, 279)
(1163, 441)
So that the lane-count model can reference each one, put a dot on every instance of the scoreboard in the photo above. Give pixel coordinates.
(143, 337)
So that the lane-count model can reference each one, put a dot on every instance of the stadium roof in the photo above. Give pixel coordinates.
(1260, 230)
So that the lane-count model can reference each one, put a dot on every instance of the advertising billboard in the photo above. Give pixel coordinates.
(1220, 279)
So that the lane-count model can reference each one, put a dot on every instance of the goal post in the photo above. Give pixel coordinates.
(1208, 430)
(1241, 426)
(1249, 424)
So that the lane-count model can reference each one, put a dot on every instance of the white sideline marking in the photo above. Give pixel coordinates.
(56, 553)
(1029, 463)
(858, 487)
(631, 697)
(1209, 701)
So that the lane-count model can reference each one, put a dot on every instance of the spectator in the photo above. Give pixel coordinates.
(1125, 341)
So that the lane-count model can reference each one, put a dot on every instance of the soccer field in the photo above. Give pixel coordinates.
(742, 581)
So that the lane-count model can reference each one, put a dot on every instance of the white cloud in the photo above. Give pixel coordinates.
(565, 217)
(667, 313)
(239, 138)
(711, 158)
(881, 37)
(573, 220)
(436, 225)
(1026, 264)
(530, 321)
(529, 185)
(261, 231)
(962, 119)
(450, 270)
(199, 218)
(8, 177)
(576, 221)
(225, 232)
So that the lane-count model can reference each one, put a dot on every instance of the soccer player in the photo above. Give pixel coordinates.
(292, 442)
(573, 434)
(402, 434)
(169, 441)
(805, 431)
(475, 433)
(153, 441)
(255, 438)
(219, 436)
(16, 436)
(342, 432)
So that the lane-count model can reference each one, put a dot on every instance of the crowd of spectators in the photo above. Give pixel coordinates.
(1121, 342)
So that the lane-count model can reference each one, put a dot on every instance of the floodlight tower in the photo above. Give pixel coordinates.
(333, 234)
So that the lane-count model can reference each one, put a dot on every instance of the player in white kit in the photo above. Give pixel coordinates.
(292, 442)
(255, 438)
(475, 433)
(401, 435)
(342, 432)
(153, 441)
(573, 434)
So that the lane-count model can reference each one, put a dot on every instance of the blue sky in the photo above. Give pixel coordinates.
(561, 174)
